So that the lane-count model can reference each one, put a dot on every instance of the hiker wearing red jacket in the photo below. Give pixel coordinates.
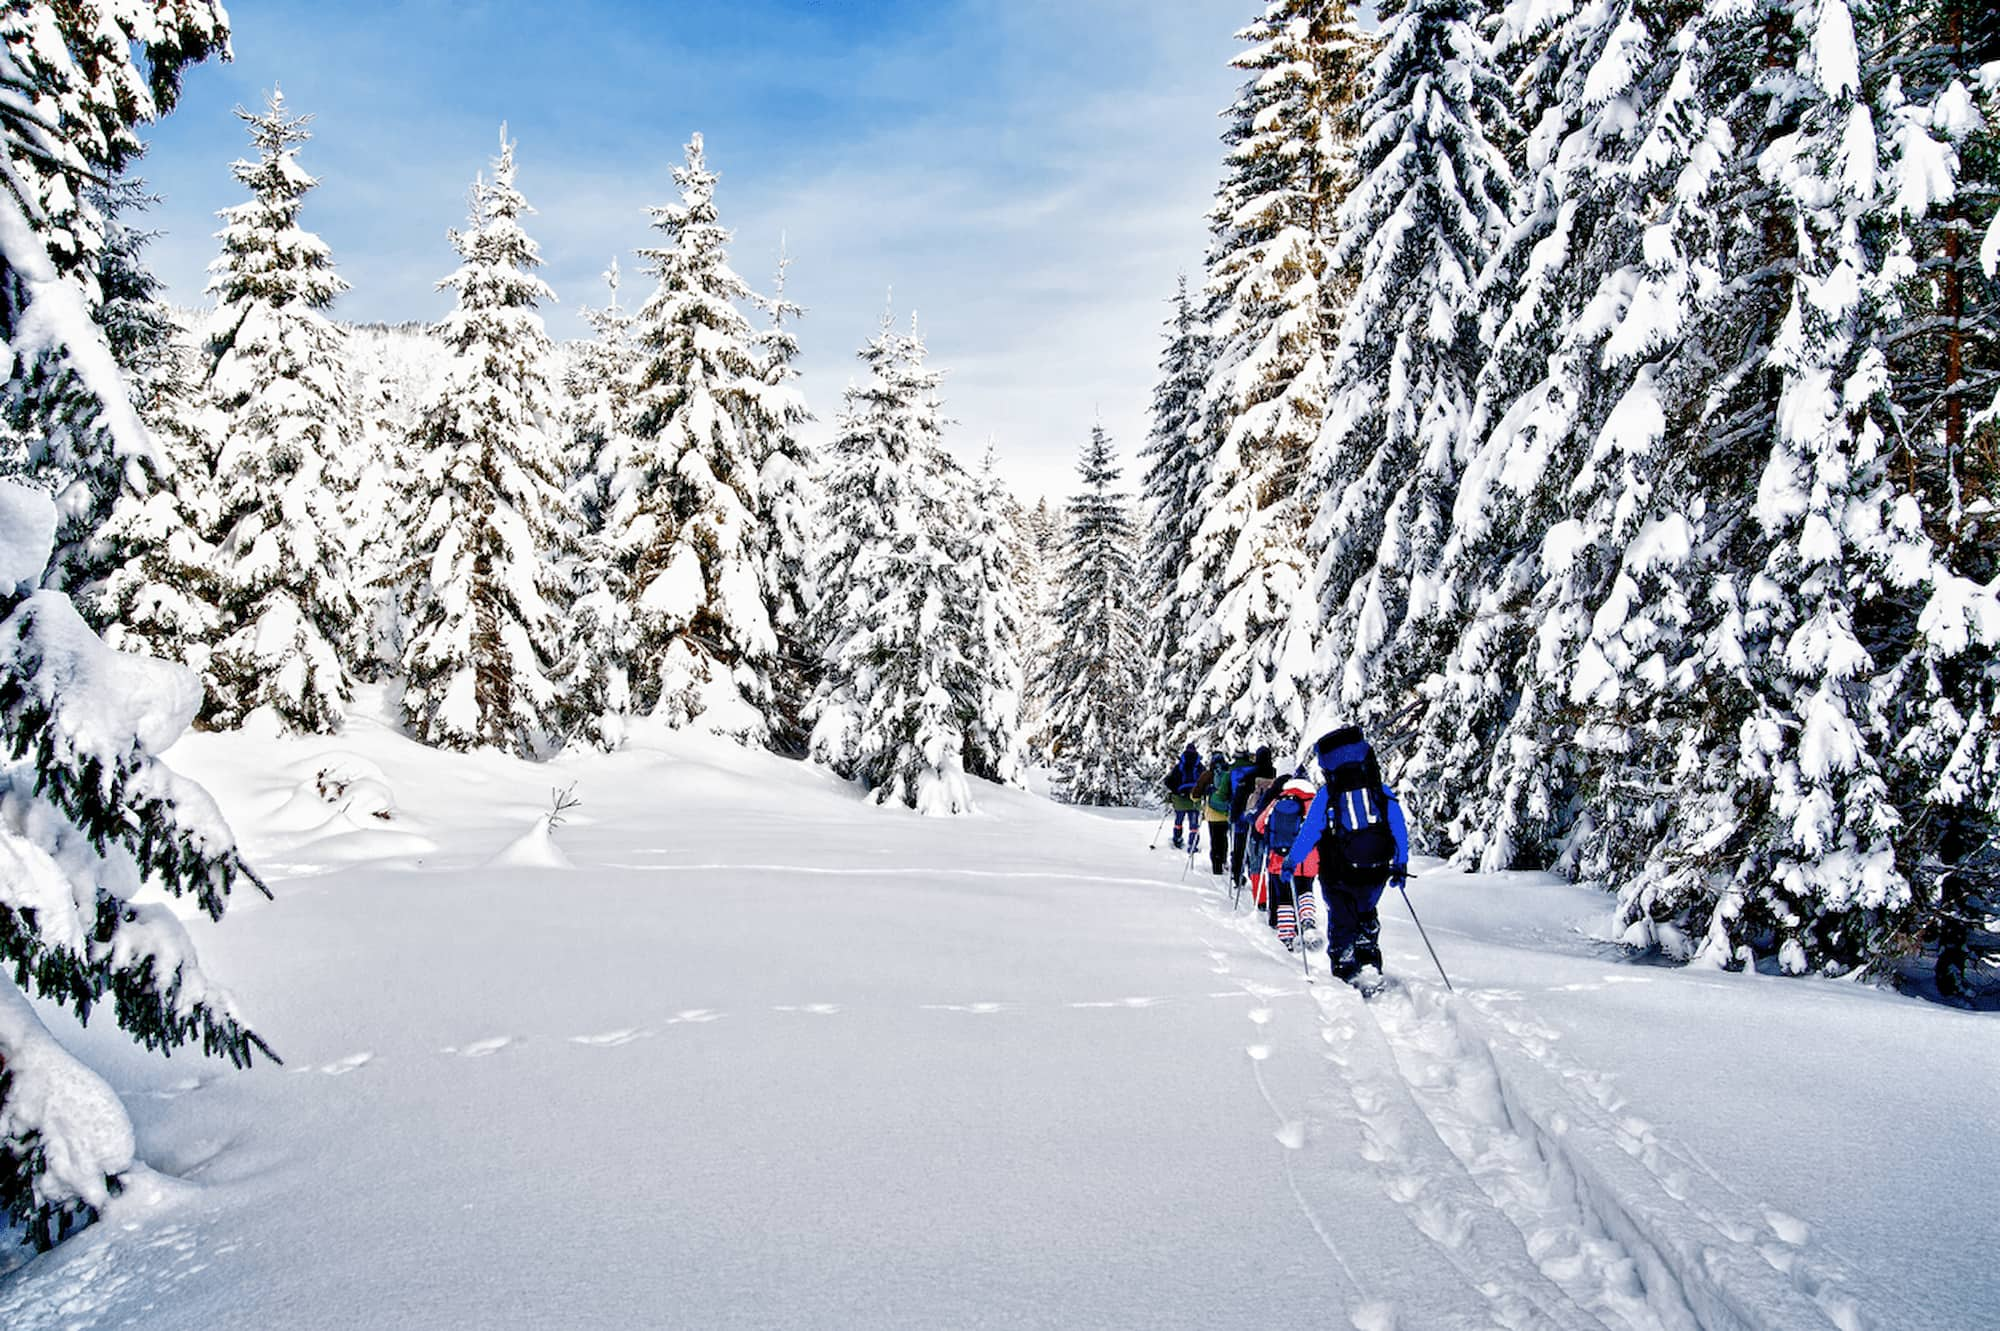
(1294, 910)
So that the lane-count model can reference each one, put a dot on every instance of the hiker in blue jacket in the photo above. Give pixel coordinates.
(1356, 823)
(1183, 778)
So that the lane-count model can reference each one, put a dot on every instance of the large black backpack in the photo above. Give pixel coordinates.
(1357, 837)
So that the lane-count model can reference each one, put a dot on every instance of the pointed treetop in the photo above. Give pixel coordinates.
(775, 304)
(695, 180)
(1098, 463)
(272, 132)
(503, 165)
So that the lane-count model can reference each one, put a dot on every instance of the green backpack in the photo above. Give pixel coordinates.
(1218, 789)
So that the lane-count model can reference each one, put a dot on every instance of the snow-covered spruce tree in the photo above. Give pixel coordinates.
(1615, 143)
(1035, 590)
(87, 815)
(137, 325)
(1944, 356)
(1419, 226)
(278, 415)
(382, 510)
(684, 517)
(592, 680)
(896, 595)
(788, 502)
(1669, 661)
(144, 577)
(1176, 470)
(599, 379)
(486, 587)
(75, 96)
(1274, 289)
(1945, 353)
(1750, 674)
(993, 747)
(1095, 669)
(1875, 722)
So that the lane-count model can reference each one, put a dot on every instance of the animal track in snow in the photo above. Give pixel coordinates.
(1789, 1228)
(694, 1016)
(978, 1009)
(1143, 1001)
(340, 1067)
(1258, 1052)
(1262, 1016)
(610, 1039)
(480, 1048)
(175, 1091)
(810, 1009)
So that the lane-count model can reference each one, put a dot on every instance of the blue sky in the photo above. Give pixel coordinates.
(1027, 175)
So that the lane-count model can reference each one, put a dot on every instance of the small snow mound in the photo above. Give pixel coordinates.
(262, 724)
(78, 1121)
(1374, 1315)
(535, 848)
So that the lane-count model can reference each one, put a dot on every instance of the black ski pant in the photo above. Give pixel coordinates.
(1353, 925)
(1218, 846)
(1237, 844)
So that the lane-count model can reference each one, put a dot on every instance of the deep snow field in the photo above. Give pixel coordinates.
(731, 1049)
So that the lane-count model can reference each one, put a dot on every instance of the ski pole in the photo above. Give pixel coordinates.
(1299, 928)
(1161, 828)
(1404, 888)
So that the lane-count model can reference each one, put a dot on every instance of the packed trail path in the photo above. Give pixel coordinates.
(728, 1048)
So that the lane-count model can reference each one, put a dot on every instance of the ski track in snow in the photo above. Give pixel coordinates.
(610, 1039)
(481, 1048)
(1530, 1174)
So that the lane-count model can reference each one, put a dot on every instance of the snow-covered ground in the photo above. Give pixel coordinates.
(731, 1050)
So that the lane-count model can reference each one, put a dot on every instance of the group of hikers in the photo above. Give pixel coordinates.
(1292, 841)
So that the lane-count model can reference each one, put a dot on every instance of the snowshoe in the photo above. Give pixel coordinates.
(1309, 939)
(1368, 982)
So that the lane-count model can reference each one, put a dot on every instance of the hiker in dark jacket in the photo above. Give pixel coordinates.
(1243, 788)
(1182, 784)
(1356, 824)
(1256, 860)
(1214, 788)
